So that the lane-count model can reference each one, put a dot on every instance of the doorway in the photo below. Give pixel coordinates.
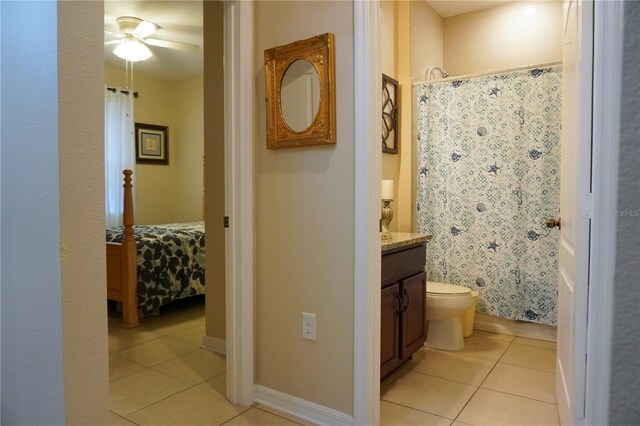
(596, 409)
(187, 95)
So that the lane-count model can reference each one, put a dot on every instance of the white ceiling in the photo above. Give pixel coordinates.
(181, 21)
(446, 8)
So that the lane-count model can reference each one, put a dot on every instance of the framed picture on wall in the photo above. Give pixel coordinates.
(389, 115)
(152, 144)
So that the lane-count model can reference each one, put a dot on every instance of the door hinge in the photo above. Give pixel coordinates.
(226, 221)
(586, 206)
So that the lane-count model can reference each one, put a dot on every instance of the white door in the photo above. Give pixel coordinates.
(575, 209)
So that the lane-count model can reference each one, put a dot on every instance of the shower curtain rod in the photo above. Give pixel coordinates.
(490, 72)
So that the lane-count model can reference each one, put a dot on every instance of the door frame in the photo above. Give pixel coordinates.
(238, 148)
(607, 83)
(239, 262)
(607, 66)
(368, 158)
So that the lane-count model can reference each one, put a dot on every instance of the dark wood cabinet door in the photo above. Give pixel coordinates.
(413, 313)
(390, 313)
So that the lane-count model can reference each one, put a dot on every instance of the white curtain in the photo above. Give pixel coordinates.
(119, 151)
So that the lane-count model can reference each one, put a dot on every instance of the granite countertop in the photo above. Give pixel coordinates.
(393, 240)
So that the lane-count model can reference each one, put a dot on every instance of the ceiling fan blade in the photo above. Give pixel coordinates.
(145, 29)
(172, 45)
(112, 34)
(113, 42)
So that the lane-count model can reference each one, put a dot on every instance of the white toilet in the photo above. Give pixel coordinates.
(445, 304)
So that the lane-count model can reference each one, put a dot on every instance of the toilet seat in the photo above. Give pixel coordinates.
(443, 289)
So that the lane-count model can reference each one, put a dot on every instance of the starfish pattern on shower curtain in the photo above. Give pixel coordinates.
(486, 204)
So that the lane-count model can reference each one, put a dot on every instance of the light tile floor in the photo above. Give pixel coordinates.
(159, 375)
(496, 380)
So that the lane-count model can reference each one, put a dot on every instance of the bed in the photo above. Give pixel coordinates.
(149, 266)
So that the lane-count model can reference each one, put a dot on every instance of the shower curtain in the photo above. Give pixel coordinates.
(488, 178)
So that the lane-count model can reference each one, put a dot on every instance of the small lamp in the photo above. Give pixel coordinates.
(387, 198)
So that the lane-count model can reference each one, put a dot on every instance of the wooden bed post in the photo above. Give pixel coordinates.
(129, 263)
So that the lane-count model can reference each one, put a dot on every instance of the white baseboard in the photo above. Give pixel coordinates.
(214, 344)
(304, 410)
(529, 330)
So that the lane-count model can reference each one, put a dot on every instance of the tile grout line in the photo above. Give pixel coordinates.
(121, 417)
(274, 414)
(513, 394)
(173, 394)
(161, 362)
(529, 368)
(450, 380)
(158, 336)
(253, 406)
(481, 383)
(237, 415)
(135, 344)
(417, 409)
(520, 396)
(152, 367)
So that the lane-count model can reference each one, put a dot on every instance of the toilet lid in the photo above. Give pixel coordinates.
(442, 288)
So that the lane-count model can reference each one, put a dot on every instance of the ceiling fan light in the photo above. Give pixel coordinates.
(145, 29)
(132, 50)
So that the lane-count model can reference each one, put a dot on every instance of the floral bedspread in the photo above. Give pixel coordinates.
(170, 262)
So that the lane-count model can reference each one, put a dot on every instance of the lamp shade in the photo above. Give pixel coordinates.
(132, 50)
(387, 190)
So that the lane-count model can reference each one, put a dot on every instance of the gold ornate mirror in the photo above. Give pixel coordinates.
(300, 93)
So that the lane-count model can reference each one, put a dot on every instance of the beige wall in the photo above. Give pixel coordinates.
(189, 154)
(412, 39)
(388, 64)
(427, 32)
(503, 37)
(404, 185)
(396, 59)
(214, 171)
(82, 221)
(171, 193)
(388, 59)
(304, 209)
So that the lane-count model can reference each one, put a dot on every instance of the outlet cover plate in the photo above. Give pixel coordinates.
(309, 326)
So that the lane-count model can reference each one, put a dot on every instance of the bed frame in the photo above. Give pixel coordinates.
(122, 279)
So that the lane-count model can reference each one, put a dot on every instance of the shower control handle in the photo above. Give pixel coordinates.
(552, 223)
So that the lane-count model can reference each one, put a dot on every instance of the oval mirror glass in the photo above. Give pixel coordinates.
(300, 95)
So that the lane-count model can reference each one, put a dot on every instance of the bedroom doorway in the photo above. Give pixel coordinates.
(186, 342)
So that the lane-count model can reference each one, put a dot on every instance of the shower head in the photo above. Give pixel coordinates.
(428, 74)
(430, 70)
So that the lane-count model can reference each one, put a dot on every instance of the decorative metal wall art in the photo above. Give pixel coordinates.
(389, 115)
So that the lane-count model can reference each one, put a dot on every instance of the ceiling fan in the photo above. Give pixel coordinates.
(133, 42)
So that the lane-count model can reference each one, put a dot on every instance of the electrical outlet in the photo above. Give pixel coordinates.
(309, 326)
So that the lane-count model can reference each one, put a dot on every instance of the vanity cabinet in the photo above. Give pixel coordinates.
(402, 313)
